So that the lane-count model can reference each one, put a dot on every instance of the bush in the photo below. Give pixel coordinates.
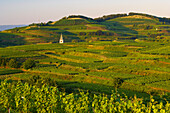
(28, 64)
(3, 61)
(117, 82)
(39, 81)
(13, 64)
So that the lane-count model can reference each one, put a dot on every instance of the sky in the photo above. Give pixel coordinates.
(15, 12)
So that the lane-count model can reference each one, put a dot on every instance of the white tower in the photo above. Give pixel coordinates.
(61, 39)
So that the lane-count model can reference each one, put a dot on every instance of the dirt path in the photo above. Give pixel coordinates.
(164, 62)
(159, 89)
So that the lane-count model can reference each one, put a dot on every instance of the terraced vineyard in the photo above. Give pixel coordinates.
(31, 98)
(80, 28)
(127, 54)
(99, 63)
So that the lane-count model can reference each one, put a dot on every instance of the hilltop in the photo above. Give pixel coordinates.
(77, 28)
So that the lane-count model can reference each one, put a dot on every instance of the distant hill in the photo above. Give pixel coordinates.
(78, 28)
(5, 27)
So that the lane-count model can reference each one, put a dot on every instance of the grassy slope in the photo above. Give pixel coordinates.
(140, 23)
(124, 27)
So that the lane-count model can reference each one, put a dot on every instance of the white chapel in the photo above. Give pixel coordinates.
(61, 39)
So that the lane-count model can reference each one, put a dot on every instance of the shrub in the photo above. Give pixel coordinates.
(13, 64)
(39, 81)
(117, 82)
(28, 64)
(4, 62)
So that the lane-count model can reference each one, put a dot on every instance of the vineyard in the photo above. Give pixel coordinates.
(96, 63)
(115, 63)
(22, 97)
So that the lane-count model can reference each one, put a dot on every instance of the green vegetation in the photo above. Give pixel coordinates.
(32, 98)
(125, 53)
(29, 63)
(139, 64)
(77, 28)
(9, 71)
(13, 64)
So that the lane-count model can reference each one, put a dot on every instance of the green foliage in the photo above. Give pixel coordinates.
(4, 71)
(9, 39)
(108, 17)
(64, 22)
(39, 81)
(31, 98)
(144, 66)
(80, 16)
(13, 63)
(117, 82)
(81, 28)
(29, 63)
(151, 16)
(4, 61)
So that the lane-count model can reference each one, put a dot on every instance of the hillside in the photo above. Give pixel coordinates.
(78, 28)
(114, 63)
(143, 66)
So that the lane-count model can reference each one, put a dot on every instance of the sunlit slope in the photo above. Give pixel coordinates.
(144, 66)
(78, 29)
(145, 27)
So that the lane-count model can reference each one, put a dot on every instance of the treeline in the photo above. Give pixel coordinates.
(49, 23)
(9, 62)
(41, 24)
(13, 63)
(145, 27)
(112, 16)
(108, 17)
(164, 20)
(97, 33)
(79, 16)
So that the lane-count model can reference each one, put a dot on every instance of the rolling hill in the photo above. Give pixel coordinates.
(77, 28)
(120, 62)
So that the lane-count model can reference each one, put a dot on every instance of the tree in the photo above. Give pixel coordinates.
(4, 61)
(1, 60)
(99, 32)
(39, 81)
(29, 63)
(74, 41)
(117, 82)
(13, 63)
(82, 33)
(49, 23)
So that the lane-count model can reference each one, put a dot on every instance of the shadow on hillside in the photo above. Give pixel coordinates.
(118, 27)
(7, 39)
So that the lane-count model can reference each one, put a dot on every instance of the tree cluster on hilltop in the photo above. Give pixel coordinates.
(108, 17)
(79, 16)
(164, 20)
